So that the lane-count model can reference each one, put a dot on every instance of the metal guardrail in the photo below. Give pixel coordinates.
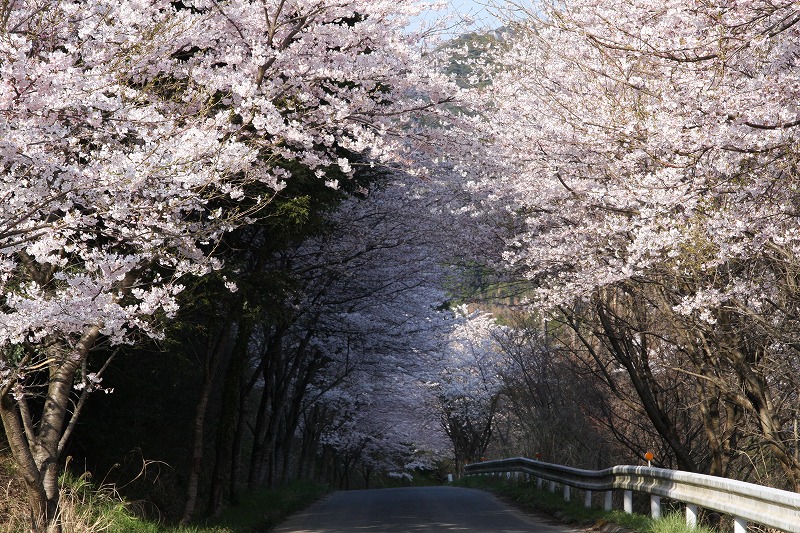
(745, 502)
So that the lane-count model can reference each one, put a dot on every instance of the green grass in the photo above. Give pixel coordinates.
(263, 510)
(527, 497)
(676, 523)
(88, 509)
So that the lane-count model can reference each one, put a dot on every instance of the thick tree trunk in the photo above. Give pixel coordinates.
(37, 447)
(196, 465)
(31, 476)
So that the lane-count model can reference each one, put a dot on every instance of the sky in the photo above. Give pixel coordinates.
(478, 10)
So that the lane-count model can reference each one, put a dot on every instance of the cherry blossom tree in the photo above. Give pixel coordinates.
(465, 383)
(134, 135)
(651, 154)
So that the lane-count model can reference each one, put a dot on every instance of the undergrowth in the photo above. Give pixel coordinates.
(88, 508)
(263, 510)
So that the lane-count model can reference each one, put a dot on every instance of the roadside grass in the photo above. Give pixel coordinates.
(87, 508)
(264, 509)
(676, 523)
(258, 512)
(527, 497)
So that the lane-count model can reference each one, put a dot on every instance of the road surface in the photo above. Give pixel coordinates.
(415, 509)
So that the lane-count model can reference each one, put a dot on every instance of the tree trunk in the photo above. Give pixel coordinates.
(634, 357)
(310, 443)
(40, 515)
(213, 355)
(257, 454)
(267, 409)
(236, 448)
(196, 465)
(37, 448)
(227, 426)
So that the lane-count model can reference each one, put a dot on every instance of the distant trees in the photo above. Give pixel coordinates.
(465, 380)
(547, 401)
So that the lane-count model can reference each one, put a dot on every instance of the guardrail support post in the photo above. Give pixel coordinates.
(552, 486)
(539, 483)
(607, 503)
(655, 507)
(628, 502)
(691, 515)
(739, 525)
(587, 499)
(566, 493)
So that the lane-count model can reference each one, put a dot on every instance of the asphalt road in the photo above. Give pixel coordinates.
(406, 510)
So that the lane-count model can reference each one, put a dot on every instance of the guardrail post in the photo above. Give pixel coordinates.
(691, 515)
(739, 525)
(628, 502)
(552, 486)
(587, 499)
(539, 483)
(608, 499)
(655, 507)
(566, 493)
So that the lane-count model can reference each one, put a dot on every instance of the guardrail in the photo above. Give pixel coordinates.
(745, 502)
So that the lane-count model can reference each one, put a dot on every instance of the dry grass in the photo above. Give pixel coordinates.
(82, 508)
(13, 499)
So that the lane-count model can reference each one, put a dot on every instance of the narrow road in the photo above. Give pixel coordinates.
(405, 510)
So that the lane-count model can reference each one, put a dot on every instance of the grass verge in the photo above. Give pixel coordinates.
(526, 497)
(258, 512)
(263, 510)
(86, 508)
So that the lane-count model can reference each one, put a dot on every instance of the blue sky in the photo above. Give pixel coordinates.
(476, 9)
